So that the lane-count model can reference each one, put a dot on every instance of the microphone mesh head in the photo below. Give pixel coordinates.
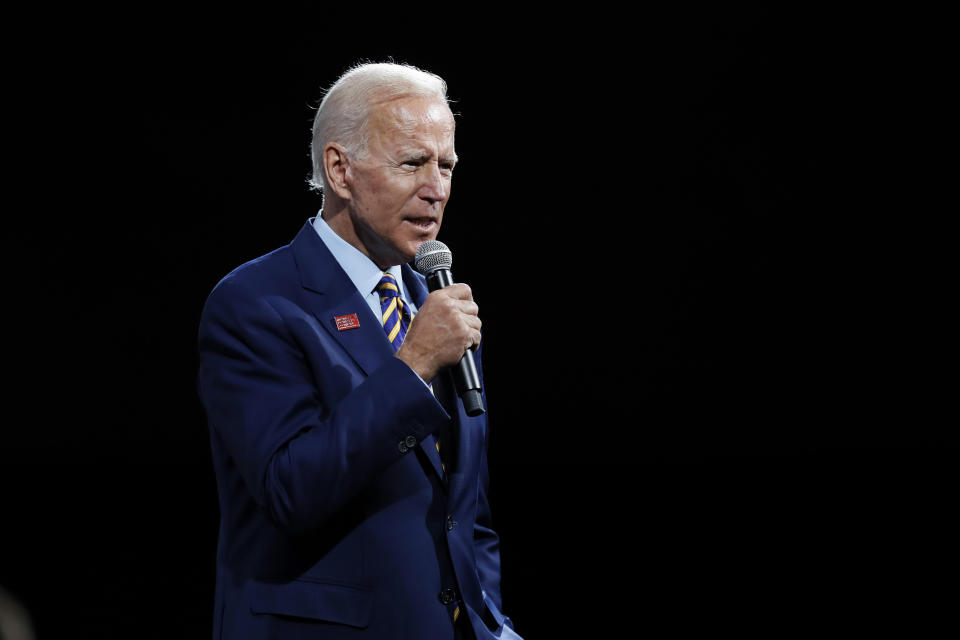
(433, 255)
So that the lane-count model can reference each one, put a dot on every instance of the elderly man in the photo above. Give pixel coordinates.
(352, 483)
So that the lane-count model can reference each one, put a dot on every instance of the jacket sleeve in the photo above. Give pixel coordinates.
(301, 455)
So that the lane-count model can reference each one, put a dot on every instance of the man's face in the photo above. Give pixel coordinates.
(399, 191)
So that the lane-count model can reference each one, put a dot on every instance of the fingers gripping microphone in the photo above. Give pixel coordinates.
(433, 260)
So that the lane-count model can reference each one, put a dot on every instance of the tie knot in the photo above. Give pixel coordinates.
(388, 287)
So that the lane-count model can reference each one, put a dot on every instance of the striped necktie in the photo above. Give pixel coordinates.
(396, 320)
(395, 314)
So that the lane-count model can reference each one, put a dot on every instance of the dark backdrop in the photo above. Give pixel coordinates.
(701, 250)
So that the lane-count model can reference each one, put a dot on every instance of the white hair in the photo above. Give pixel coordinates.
(343, 113)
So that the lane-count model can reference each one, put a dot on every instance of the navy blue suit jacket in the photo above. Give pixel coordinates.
(336, 518)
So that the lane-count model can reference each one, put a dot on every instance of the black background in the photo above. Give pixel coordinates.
(705, 255)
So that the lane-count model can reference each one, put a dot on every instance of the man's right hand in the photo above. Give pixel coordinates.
(444, 328)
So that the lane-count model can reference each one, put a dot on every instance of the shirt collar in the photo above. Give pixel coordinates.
(361, 270)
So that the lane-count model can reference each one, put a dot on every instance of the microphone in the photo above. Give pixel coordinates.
(433, 260)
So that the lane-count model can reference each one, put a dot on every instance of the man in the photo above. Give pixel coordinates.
(353, 486)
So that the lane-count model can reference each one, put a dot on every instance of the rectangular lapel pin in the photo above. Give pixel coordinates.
(349, 321)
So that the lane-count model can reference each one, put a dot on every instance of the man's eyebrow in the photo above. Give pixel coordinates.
(422, 156)
(416, 153)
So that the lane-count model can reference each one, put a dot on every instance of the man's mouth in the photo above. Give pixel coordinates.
(425, 223)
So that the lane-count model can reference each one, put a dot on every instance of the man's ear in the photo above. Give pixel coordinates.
(336, 165)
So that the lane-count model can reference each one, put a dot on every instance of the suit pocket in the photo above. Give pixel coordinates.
(313, 600)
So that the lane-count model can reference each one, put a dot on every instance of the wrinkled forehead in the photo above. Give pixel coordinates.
(411, 116)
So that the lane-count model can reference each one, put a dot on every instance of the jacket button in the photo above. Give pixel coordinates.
(407, 443)
(447, 596)
(451, 523)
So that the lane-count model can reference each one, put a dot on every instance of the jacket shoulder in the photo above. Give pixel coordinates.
(269, 273)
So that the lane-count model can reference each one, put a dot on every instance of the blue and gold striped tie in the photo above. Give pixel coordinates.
(395, 314)
(396, 320)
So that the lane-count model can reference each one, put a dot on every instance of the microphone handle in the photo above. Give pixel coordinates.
(465, 373)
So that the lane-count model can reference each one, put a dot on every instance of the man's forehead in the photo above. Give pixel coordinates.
(408, 114)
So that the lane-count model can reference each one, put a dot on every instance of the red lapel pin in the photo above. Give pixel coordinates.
(349, 321)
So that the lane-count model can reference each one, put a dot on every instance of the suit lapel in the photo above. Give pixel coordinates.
(416, 286)
(429, 444)
(463, 437)
(331, 295)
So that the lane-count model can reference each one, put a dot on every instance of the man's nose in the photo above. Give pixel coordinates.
(435, 186)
